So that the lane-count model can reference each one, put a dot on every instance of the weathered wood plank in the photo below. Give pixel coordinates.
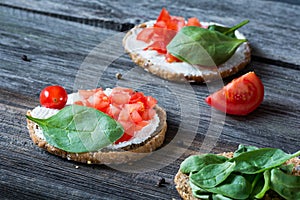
(56, 49)
(273, 31)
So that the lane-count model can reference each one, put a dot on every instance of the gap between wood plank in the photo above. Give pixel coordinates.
(92, 22)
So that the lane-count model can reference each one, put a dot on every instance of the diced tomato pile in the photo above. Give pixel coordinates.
(131, 109)
(163, 31)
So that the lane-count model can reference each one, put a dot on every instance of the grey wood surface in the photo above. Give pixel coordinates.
(270, 22)
(58, 35)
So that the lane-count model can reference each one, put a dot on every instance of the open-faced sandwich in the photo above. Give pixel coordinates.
(110, 126)
(247, 173)
(180, 50)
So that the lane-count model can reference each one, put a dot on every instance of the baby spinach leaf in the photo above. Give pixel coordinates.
(287, 186)
(197, 162)
(79, 129)
(235, 186)
(199, 192)
(220, 197)
(212, 175)
(199, 46)
(266, 185)
(243, 148)
(288, 169)
(257, 183)
(229, 31)
(259, 160)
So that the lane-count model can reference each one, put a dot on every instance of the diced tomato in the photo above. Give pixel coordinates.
(176, 23)
(131, 109)
(158, 46)
(87, 93)
(139, 126)
(240, 97)
(193, 21)
(148, 114)
(170, 58)
(163, 31)
(135, 116)
(113, 111)
(145, 35)
(136, 97)
(164, 16)
(151, 102)
(80, 103)
(125, 137)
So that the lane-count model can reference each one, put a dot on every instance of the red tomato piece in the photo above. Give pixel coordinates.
(158, 46)
(87, 93)
(125, 137)
(53, 97)
(193, 21)
(126, 106)
(170, 58)
(176, 23)
(139, 126)
(240, 97)
(151, 102)
(164, 16)
(145, 35)
(136, 117)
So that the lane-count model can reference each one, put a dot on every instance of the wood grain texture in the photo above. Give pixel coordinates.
(57, 49)
(270, 23)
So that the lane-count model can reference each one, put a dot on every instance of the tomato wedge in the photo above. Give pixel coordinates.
(240, 97)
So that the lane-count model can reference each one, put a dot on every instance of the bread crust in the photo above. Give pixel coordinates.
(182, 181)
(155, 69)
(122, 155)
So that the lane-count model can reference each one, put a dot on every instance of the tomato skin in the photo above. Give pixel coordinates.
(240, 97)
(170, 58)
(53, 97)
(193, 21)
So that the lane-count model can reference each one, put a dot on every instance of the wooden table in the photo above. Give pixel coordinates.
(57, 36)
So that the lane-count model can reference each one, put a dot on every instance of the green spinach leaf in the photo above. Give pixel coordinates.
(235, 186)
(199, 192)
(259, 160)
(220, 197)
(229, 31)
(288, 169)
(79, 129)
(287, 186)
(199, 46)
(196, 162)
(212, 175)
(243, 148)
(266, 185)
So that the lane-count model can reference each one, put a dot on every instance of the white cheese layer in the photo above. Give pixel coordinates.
(136, 46)
(139, 136)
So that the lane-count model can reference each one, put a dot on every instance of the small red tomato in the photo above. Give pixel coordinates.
(53, 97)
(239, 97)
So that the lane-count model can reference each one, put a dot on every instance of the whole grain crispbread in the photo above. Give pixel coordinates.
(182, 181)
(105, 156)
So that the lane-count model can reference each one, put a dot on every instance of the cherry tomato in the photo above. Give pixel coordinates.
(53, 97)
(240, 97)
